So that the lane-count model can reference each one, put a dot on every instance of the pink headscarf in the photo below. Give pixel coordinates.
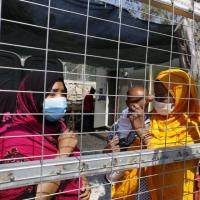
(23, 139)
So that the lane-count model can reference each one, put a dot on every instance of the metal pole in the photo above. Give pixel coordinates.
(15, 174)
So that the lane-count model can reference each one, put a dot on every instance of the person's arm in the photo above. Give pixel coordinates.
(66, 143)
(138, 124)
(144, 135)
(112, 145)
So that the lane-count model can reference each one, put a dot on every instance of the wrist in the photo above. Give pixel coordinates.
(145, 138)
(62, 153)
(143, 134)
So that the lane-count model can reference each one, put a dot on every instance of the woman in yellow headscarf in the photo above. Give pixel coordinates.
(174, 122)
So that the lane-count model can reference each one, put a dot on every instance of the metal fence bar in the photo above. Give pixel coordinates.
(15, 174)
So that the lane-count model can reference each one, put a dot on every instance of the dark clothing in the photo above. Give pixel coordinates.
(88, 118)
(89, 104)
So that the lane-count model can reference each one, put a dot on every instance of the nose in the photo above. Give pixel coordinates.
(60, 94)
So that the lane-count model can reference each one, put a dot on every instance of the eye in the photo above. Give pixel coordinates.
(136, 100)
(50, 94)
(64, 95)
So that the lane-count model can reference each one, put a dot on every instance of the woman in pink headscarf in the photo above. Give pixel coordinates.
(29, 136)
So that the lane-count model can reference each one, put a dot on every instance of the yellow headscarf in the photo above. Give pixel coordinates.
(171, 181)
(182, 87)
(181, 126)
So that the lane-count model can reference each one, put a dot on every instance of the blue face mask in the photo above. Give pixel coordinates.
(55, 108)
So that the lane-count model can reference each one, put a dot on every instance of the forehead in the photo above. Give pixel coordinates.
(136, 92)
(58, 85)
(135, 96)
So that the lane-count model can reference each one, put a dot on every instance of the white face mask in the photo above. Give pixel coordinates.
(163, 108)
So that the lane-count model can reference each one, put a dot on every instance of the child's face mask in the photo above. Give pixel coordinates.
(54, 108)
(163, 108)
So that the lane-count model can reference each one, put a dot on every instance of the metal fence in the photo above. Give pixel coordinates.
(109, 46)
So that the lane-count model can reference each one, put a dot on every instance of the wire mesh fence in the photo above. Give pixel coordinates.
(99, 99)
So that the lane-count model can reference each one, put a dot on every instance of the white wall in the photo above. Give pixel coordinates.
(100, 106)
